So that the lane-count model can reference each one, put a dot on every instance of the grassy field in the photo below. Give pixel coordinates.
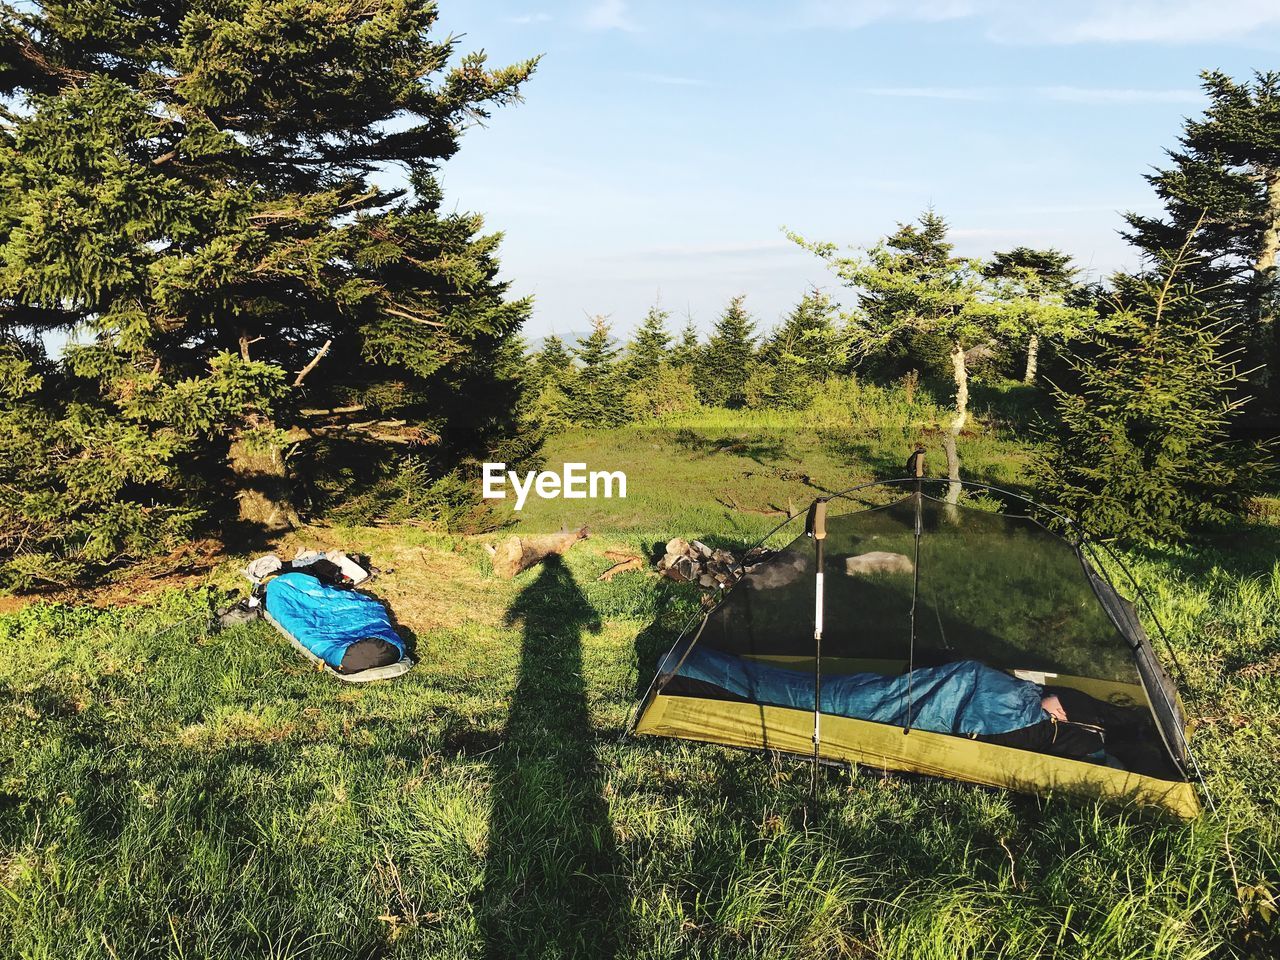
(170, 792)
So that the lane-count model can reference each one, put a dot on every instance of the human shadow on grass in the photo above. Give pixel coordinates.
(552, 883)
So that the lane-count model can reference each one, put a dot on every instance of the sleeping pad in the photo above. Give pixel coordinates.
(967, 697)
(348, 632)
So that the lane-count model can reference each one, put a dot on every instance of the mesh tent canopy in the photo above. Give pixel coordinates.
(927, 637)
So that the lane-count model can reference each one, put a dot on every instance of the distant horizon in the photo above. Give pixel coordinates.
(662, 148)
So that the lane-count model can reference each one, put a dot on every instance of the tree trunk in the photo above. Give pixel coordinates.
(264, 494)
(1266, 270)
(1270, 247)
(519, 553)
(953, 469)
(1033, 359)
(960, 371)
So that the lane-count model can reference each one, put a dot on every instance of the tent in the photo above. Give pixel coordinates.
(934, 638)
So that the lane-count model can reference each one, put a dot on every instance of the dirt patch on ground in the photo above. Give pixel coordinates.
(428, 585)
(190, 565)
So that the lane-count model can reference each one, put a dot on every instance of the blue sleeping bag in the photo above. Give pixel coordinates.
(966, 697)
(326, 621)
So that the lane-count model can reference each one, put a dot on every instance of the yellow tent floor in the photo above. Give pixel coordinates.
(879, 746)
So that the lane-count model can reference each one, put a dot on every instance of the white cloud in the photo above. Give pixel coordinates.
(669, 80)
(1055, 22)
(1182, 21)
(609, 15)
(728, 249)
(1118, 95)
(525, 19)
(936, 93)
(859, 13)
(1064, 94)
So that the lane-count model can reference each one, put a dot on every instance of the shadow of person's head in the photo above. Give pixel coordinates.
(552, 603)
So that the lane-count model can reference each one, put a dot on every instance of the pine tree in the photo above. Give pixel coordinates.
(649, 347)
(1225, 177)
(192, 190)
(726, 361)
(808, 334)
(797, 356)
(1034, 289)
(688, 349)
(596, 395)
(1141, 448)
(550, 363)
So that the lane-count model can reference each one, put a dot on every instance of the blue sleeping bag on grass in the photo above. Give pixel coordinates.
(967, 697)
(348, 633)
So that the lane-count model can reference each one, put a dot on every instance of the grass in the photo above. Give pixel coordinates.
(166, 791)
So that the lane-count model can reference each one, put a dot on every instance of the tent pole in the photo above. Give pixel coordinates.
(915, 464)
(817, 528)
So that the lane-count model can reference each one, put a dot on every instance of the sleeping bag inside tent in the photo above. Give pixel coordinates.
(347, 633)
(955, 642)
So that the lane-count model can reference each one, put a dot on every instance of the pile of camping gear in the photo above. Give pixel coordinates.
(692, 561)
(313, 602)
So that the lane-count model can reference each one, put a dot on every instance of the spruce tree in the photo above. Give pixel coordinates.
(649, 347)
(809, 336)
(194, 194)
(552, 361)
(911, 283)
(799, 354)
(1141, 448)
(1223, 187)
(597, 392)
(726, 360)
(687, 351)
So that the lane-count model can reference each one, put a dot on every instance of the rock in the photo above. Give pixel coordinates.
(877, 561)
(777, 574)
(713, 569)
(682, 570)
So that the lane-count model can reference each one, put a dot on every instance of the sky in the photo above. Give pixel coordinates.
(662, 147)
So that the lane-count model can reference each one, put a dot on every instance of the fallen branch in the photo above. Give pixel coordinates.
(773, 511)
(622, 566)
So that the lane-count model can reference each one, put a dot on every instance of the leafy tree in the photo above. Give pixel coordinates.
(650, 346)
(726, 359)
(1033, 288)
(911, 282)
(1142, 446)
(191, 196)
(596, 394)
(1225, 176)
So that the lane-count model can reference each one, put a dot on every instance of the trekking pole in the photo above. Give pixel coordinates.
(817, 528)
